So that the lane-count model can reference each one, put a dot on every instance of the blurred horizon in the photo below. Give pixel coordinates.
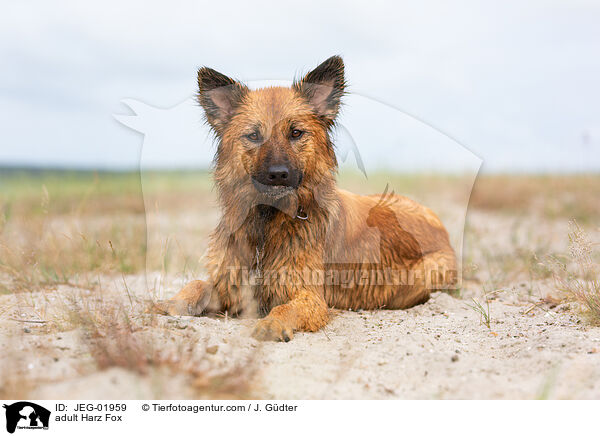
(9, 169)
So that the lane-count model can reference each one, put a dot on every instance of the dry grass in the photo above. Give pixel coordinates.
(55, 228)
(35, 253)
(551, 196)
(123, 335)
(111, 329)
(582, 282)
(114, 339)
(69, 227)
(516, 258)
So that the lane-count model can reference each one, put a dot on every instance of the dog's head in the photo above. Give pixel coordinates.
(273, 141)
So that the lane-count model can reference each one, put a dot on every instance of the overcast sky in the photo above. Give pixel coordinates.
(516, 83)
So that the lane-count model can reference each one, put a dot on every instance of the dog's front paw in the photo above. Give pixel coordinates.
(272, 329)
(190, 301)
(171, 308)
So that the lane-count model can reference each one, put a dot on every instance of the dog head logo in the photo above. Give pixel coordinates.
(26, 415)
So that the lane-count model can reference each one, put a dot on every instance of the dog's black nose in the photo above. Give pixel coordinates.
(278, 175)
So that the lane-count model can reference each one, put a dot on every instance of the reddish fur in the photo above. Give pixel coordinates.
(388, 232)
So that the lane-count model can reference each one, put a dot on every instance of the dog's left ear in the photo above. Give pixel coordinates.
(324, 87)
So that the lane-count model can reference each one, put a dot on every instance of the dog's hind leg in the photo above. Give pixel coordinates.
(434, 271)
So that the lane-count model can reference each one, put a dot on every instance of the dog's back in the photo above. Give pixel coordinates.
(384, 246)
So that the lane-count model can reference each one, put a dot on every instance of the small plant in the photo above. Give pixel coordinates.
(483, 311)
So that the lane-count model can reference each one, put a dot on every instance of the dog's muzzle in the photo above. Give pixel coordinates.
(277, 181)
(272, 191)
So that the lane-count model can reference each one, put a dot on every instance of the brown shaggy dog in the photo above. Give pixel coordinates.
(290, 244)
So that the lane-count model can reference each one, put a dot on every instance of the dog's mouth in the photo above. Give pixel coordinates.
(272, 192)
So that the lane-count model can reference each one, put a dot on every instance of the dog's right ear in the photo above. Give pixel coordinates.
(219, 95)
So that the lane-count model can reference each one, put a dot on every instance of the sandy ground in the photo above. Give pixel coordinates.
(436, 350)
(534, 347)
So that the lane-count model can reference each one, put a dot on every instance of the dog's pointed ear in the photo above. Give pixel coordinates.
(324, 87)
(219, 96)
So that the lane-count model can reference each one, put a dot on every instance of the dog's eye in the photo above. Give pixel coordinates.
(297, 133)
(253, 137)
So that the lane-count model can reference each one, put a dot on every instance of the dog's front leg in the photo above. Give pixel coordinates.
(192, 300)
(306, 311)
